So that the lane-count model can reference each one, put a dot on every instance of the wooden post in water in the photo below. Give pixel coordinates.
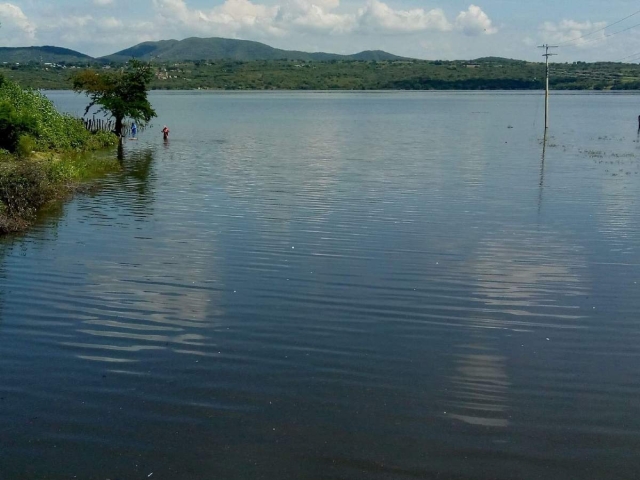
(546, 54)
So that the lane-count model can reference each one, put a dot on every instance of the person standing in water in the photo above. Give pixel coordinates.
(165, 133)
(134, 130)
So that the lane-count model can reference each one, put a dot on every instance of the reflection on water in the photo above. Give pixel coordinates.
(544, 154)
(525, 281)
(333, 286)
(481, 385)
(618, 216)
(523, 272)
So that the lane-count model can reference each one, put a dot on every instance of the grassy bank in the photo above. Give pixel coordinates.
(44, 155)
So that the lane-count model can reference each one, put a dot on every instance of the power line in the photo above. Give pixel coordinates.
(621, 31)
(628, 56)
(599, 30)
(606, 37)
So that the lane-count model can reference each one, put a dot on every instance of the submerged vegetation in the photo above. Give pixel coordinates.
(42, 154)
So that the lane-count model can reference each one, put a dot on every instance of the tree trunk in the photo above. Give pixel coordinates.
(118, 129)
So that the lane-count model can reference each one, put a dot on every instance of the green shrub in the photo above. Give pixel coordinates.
(24, 187)
(33, 113)
(100, 140)
(61, 172)
(26, 146)
(12, 126)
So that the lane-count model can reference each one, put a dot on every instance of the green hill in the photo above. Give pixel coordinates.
(500, 60)
(45, 54)
(189, 49)
(194, 49)
(377, 55)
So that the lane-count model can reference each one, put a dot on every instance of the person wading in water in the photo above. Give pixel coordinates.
(165, 133)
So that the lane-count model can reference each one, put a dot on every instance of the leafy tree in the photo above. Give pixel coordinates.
(121, 93)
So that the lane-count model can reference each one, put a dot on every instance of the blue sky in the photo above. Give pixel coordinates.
(434, 29)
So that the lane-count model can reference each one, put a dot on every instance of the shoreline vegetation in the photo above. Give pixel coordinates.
(489, 73)
(44, 155)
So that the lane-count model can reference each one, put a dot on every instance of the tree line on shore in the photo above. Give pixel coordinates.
(482, 74)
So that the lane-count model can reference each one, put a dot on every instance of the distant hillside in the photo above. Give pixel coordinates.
(46, 54)
(377, 55)
(193, 49)
(501, 60)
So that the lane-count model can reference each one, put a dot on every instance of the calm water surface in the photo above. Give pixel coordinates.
(335, 286)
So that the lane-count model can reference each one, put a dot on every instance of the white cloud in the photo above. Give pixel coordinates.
(314, 15)
(329, 25)
(68, 21)
(243, 14)
(570, 30)
(239, 16)
(82, 31)
(230, 18)
(378, 17)
(475, 22)
(16, 27)
(111, 23)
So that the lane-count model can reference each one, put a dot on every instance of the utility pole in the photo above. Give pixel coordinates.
(546, 54)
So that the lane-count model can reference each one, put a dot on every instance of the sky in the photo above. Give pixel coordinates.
(426, 29)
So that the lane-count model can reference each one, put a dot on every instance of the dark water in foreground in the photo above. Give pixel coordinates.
(336, 286)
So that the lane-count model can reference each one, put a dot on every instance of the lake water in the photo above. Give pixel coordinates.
(336, 286)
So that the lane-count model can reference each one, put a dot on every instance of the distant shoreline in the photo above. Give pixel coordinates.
(345, 91)
(389, 75)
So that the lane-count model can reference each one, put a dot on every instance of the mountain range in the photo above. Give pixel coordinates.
(189, 49)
